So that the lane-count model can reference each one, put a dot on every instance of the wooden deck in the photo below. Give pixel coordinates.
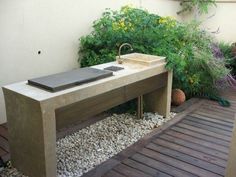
(4, 146)
(195, 143)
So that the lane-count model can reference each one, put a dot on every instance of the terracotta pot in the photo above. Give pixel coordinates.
(177, 97)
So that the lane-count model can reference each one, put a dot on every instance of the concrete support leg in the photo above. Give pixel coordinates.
(32, 136)
(160, 100)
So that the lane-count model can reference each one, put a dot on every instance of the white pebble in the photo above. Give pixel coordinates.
(81, 151)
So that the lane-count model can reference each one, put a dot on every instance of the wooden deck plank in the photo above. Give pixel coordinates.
(113, 173)
(200, 155)
(2, 152)
(206, 127)
(173, 171)
(187, 158)
(144, 168)
(178, 163)
(214, 116)
(216, 121)
(209, 123)
(232, 107)
(201, 136)
(230, 97)
(204, 132)
(6, 157)
(196, 114)
(4, 144)
(196, 147)
(5, 126)
(106, 166)
(218, 111)
(212, 107)
(3, 132)
(208, 103)
(129, 171)
(198, 141)
(219, 108)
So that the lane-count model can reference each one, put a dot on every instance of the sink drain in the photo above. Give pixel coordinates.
(113, 68)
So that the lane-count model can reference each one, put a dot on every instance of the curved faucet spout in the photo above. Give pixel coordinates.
(120, 48)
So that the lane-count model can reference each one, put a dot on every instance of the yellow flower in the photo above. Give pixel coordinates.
(162, 21)
(122, 25)
(115, 26)
(168, 21)
(126, 8)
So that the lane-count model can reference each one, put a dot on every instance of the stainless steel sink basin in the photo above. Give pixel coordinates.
(142, 59)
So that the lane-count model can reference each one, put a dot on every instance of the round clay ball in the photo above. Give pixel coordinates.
(177, 97)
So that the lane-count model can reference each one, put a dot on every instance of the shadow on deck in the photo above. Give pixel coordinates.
(195, 143)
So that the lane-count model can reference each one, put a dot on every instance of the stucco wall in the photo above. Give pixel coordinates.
(52, 27)
(224, 16)
(221, 19)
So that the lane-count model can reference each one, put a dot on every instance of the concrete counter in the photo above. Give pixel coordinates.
(34, 114)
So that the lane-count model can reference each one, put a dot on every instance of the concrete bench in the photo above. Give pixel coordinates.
(34, 114)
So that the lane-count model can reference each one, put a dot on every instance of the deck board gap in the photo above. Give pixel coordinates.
(206, 127)
(185, 150)
(187, 159)
(178, 163)
(145, 168)
(218, 154)
(209, 123)
(168, 166)
(204, 132)
(197, 141)
(208, 119)
(201, 136)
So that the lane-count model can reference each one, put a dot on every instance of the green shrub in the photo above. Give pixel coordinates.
(187, 48)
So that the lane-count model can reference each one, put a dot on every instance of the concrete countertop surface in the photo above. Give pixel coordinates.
(130, 74)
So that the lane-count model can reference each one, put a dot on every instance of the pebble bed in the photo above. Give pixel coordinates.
(81, 151)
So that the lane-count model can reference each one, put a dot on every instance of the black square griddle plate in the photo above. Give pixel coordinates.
(61, 81)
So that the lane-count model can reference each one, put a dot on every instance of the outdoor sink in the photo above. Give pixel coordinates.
(141, 59)
(113, 68)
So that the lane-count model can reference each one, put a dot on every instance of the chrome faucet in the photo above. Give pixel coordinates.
(122, 45)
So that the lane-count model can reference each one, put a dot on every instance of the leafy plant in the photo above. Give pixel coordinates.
(202, 6)
(226, 50)
(188, 49)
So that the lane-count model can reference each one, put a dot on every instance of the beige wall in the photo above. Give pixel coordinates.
(221, 17)
(224, 19)
(53, 27)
